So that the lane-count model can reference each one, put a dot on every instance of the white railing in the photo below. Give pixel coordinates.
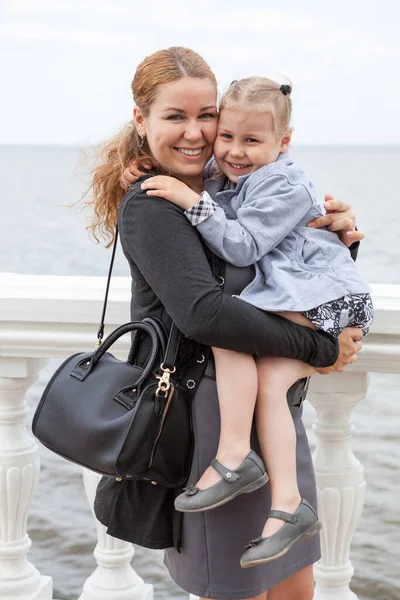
(45, 317)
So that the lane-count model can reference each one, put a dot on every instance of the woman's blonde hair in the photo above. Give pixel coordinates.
(164, 66)
(260, 93)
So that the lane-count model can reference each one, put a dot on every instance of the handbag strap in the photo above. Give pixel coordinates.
(174, 337)
(100, 331)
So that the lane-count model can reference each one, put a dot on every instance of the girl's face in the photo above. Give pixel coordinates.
(246, 141)
(181, 126)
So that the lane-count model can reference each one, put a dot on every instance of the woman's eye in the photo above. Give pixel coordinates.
(174, 117)
(207, 116)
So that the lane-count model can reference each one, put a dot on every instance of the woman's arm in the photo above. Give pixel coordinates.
(169, 253)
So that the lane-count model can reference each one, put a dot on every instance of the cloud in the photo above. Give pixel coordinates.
(67, 65)
(121, 24)
(60, 35)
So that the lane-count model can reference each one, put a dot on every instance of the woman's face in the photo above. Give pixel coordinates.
(181, 126)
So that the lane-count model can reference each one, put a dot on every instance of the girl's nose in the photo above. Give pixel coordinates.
(237, 151)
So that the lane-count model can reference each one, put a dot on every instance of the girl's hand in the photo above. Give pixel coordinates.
(131, 173)
(349, 344)
(171, 189)
(340, 218)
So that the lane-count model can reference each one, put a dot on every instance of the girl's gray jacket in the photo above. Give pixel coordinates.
(263, 222)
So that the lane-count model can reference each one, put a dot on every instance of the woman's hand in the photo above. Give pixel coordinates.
(131, 173)
(340, 218)
(171, 189)
(349, 344)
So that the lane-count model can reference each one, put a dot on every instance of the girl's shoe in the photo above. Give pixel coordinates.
(298, 526)
(249, 476)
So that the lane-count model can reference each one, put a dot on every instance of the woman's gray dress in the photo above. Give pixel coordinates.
(213, 541)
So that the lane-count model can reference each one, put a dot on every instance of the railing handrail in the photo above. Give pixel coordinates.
(18, 290)
(51, 316)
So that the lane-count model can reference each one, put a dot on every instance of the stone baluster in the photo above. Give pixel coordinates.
(340, 479)
(19, 473)
(114, 578)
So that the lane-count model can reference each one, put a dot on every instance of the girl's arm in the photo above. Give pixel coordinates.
(271, 209)
(169, 253)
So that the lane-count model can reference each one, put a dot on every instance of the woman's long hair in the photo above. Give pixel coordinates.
(105, 193)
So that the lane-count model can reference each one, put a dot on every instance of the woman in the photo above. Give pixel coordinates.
(175, 120)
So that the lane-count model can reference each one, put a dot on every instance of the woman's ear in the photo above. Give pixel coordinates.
(139, 121)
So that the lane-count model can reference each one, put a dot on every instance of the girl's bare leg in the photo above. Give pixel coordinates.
(299, 586)
(237, 382)
(262, 596)
(276, 432)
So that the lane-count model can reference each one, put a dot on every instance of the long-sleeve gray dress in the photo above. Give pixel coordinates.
(213, 541)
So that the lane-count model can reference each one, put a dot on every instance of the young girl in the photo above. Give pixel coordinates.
(254, 210)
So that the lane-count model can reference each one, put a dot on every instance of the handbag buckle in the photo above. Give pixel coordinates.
(164, 381)
(163, 384)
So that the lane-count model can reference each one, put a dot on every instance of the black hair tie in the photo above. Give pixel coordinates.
(285, 89)
(233, 82)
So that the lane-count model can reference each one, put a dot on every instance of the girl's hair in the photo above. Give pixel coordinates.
(164, 66)
(261, 94)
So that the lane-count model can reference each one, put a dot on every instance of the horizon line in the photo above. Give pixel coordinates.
(300, 144)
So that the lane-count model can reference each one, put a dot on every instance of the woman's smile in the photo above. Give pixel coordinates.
(191, 153)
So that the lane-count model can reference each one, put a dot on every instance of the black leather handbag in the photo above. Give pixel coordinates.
(115, 417)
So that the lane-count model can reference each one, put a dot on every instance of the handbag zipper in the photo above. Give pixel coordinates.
(167, 405)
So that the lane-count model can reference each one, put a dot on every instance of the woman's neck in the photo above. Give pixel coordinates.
(195, 183)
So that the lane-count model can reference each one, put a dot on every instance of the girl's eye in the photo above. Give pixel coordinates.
(251, 140)
(226, 136)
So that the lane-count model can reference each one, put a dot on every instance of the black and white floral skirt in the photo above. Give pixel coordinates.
(355, 310)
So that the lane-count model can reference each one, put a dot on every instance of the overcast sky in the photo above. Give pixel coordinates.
(66, 65)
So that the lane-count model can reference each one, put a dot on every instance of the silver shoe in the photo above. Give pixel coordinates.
(248, 477)
(298, 526)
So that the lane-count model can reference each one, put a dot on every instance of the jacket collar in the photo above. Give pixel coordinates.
(215, 181)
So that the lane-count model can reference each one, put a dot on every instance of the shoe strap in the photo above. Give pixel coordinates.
(284, 516)
(229, 475)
